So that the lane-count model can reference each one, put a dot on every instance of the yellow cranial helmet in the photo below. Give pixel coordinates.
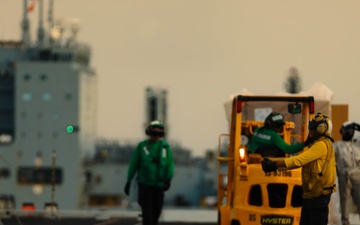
(322, 124)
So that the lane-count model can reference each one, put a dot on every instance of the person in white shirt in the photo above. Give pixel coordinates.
(347, 153)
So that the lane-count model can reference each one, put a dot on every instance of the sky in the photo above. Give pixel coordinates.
(203, 51)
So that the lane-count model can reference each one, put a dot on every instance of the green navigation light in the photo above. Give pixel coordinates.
(70, 129)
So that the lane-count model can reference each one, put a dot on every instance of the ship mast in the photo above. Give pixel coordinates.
(41, 31)
(25, 26)
(50, 21)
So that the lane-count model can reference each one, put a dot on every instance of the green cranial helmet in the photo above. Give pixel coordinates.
(274, 120)
(157, 123)
(150, 128)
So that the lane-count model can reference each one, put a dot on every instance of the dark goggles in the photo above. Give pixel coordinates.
(157, 133)
(318, 119)
(279, 124)
(312, 125)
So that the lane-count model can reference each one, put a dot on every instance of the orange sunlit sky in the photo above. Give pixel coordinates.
(202, 51)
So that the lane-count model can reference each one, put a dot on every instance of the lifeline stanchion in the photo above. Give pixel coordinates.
(53, 178)
(52, 207)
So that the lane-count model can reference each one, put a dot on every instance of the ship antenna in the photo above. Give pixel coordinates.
(50, 20)
(25, 26)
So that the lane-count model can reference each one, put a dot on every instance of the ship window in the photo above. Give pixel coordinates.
(105, 200)
(43, 175)
(68, 96)
(5, 139)
(19, 154)
(255, 196)
(189, 174)
(23, 134)
(7, 201)
(38, 159)
(26, 97)
(27, 77)
(46, 97)
(43, 77)
(296, 197)
(4, 172)
(55, 134)
(55, 116)
(277, 195)
(88, 177)
(98, 179)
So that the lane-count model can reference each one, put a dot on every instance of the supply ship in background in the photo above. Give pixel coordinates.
(47, 115)
(51, 157)
(54, 168)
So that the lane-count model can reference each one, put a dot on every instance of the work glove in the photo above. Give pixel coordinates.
(127, 188)
(268, 165)
(308, 141)
(167, 185)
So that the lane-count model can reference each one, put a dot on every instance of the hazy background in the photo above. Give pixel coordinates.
(202, 51)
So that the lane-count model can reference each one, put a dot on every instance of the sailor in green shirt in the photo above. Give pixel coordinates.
(153, 163)
(267, 141)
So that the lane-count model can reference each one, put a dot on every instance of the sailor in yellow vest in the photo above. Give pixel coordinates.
(318, 171)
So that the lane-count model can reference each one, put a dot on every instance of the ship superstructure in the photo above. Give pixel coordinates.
(47, 117)
(48, 149)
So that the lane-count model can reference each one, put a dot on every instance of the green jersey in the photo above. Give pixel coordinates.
(265, 137)
(153, 162)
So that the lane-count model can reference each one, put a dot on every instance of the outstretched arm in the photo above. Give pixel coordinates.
(285, 147)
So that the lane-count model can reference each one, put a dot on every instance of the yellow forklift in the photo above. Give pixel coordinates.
(246, 194)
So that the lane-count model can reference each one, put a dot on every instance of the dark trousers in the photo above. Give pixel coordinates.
(315, 211)
(151, 200)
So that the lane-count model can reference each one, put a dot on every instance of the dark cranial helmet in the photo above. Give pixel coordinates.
(348, 129)
(274, 120)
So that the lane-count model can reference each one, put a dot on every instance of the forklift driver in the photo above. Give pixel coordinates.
(267, 141)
